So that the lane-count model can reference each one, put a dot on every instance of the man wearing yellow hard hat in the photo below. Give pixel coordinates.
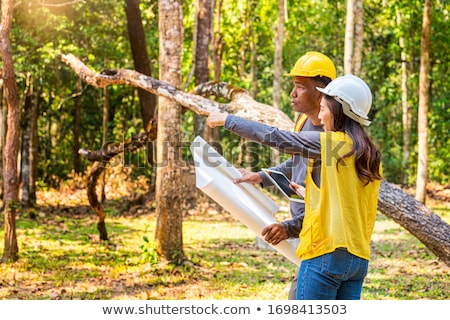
(313, 69)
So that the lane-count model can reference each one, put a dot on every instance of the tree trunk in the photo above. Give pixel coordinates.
(97, 170)
(169, 241)
(247, 22)
(34, 149)
(242, 104)
(76, 129)
(218, 43)
(278, 56)
(406, 110)
(11, 197)
(141, 59)
(253, 58)
(26, 170)
(359, 37)
(212, 134)
(278, 67)
(416, 218)
(3, 116)
(424, 85)
(202, 41)
(354, 37)
(105, 131)
(349, 36)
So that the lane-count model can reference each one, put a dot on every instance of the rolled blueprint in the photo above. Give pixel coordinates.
(214, 177)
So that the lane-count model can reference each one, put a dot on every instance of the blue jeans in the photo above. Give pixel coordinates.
(338, 275)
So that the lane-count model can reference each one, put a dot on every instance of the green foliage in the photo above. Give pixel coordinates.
(149, 253)
(96, 32)
(382, 68)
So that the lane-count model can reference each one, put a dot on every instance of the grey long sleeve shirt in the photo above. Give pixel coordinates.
(302, 145)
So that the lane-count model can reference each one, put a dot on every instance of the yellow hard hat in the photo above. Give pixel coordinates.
(314, 64)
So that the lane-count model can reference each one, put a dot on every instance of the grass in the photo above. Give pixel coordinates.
(402, 267)
(62, 258)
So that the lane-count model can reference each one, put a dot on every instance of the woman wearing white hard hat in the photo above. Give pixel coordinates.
(341, 204)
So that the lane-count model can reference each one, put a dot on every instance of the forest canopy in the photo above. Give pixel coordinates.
(96, 32)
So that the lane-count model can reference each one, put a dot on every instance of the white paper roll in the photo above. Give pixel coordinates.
(215, 175)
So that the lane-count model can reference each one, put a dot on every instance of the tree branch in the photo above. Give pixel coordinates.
(101, 159)
(241, 104)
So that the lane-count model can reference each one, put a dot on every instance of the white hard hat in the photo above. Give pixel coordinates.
(354, 95)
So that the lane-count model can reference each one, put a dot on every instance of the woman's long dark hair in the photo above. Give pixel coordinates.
(367, 155)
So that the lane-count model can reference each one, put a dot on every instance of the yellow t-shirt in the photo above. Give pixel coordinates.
(341, 213)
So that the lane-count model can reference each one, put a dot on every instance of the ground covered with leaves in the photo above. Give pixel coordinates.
(61, 256)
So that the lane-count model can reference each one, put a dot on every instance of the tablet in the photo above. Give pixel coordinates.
(283, 183)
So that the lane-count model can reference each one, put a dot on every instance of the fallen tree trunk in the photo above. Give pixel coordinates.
(420, 221)
(396, 204)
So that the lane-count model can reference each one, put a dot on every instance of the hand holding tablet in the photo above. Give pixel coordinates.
(283, 183)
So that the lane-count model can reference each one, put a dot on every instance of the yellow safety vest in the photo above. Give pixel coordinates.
(341, 213)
